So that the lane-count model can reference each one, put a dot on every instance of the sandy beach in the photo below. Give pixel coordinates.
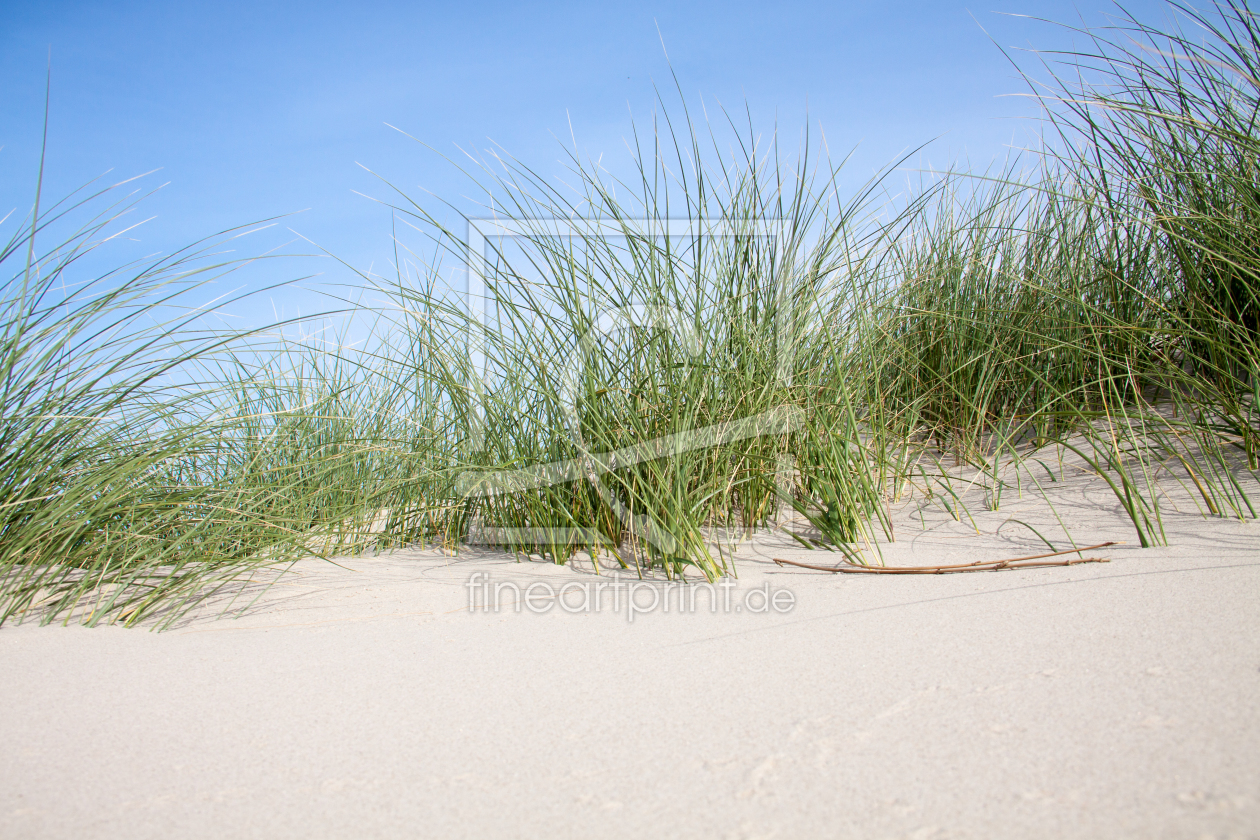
(784, 343)
(367, 700)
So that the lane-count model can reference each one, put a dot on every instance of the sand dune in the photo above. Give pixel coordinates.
(1103, 700)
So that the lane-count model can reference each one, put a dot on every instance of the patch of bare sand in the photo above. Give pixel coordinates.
(1103, 700)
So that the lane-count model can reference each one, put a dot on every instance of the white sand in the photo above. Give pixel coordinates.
(1109, 701)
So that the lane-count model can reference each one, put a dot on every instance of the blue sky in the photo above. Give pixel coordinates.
(257, 109)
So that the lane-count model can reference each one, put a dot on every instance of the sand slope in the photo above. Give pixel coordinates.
(1112, 700)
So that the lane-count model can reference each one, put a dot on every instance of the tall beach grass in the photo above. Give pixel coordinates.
(648, 400)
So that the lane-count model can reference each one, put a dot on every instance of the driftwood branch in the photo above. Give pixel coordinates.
(978, 566)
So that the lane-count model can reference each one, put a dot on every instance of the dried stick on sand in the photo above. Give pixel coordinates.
(978, 566)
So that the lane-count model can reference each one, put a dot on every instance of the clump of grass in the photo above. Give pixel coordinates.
(93, 518)
(1162, 122)
(666, 350)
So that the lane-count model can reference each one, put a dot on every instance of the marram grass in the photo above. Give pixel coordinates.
(632, 395)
